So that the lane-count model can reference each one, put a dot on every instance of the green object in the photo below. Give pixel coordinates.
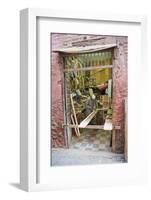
(78, 92)
(109, 112)
(103, 58)
(110, 58)
(110, 88)
(90, 91)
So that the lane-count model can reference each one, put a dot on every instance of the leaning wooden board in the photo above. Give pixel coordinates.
(74, 114)
(75, 127)
(87, 120)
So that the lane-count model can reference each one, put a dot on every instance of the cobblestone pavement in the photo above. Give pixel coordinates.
(92, 140)
(64, 157)
(92, 147)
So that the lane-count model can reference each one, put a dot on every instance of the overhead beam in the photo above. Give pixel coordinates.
(88, 68)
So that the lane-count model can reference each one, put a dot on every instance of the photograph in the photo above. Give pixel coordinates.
(83, 89)
(89, 91)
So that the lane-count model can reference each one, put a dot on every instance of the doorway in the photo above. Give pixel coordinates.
(88, 99)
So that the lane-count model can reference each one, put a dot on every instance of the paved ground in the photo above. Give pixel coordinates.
(92, 147)
(92, 140)
(62, 157)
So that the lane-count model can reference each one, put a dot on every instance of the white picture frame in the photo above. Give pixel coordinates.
(29, 142)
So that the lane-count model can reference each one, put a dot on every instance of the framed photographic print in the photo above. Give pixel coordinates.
(81, 100)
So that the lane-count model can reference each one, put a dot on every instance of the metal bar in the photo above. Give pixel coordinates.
(88, 68)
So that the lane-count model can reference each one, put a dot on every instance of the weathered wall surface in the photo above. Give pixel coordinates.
(119, 93)
(119, 83)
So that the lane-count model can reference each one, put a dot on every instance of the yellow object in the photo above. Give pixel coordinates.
(104, 100)
(101, 76)
(90, 91)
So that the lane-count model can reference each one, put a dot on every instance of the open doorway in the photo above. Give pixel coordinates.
(89, 86)
(88, 99)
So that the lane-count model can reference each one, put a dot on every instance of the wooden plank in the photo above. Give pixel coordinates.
(86, 121)
(108, 125)
(102, 109)
(88, 68)
(74, 114)
(84, 49)
(75, 127)
(90, 126)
